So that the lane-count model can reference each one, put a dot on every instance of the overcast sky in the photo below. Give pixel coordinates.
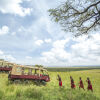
(29, 36)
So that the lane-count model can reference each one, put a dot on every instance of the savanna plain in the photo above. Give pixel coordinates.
(52, 91)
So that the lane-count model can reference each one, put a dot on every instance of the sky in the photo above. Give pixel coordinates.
(29, 36)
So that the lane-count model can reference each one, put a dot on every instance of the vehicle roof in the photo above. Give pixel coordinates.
(31, 67)
(7, 62)
(24, 66)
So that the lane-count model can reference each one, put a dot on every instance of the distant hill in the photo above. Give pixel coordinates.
(68, 69)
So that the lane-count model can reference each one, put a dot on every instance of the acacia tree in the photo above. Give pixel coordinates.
(39, 66)
(80, 16)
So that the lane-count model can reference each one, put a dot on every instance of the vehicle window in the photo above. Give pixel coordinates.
(10, 66)
(5, 65)
(19, 69)
(42, 72)
(0, 64)
(25, 71)
(35, 72)
(22, 71)
(30, 72)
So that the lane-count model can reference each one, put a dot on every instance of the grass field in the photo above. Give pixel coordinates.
(52, 91)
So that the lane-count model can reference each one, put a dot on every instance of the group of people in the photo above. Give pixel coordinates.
(81, 85)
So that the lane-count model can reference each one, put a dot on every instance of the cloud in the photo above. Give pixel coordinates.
(43, 26)
(39, 42)
(4, 30)
(28, 57)
(48, 40)
(85, 48)
(57, 54)
(1, 52)
(7, 57)
(14, 7)
(13, 33)
(84, 51)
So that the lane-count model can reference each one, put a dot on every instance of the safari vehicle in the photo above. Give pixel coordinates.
(20, 74)
(5, 66)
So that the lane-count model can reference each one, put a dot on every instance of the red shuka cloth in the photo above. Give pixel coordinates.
(81, 84)
(72, 84)
(89, 85)
(60, 83)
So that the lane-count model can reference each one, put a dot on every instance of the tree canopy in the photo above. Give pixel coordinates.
(78, 16)
(39, 66)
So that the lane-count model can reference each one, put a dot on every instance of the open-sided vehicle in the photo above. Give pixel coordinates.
(26, 74)
(5, 66)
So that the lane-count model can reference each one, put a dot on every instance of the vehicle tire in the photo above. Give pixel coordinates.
(43, 83)
(17, 81)
(26, 81)
(37, 82)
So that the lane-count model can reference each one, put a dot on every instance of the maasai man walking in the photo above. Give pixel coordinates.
(60, 81)
(89, 84)
(72, 83)
(81, 83)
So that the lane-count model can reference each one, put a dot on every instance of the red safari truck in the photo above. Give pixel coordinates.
(5, 66)
(21, 73)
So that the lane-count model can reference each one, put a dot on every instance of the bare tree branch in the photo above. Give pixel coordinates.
(72, 18)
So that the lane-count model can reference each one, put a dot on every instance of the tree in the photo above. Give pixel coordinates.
(78, 16)
(39, 66)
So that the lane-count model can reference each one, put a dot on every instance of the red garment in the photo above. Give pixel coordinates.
(60, 83)
(89, 85)
(81, 84)
(72, 84)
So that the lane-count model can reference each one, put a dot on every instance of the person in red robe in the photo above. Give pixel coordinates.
(89, 84)
(60, 81)
(81, 83)
(72, 83)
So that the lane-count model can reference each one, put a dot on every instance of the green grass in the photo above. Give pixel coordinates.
(52, 91)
